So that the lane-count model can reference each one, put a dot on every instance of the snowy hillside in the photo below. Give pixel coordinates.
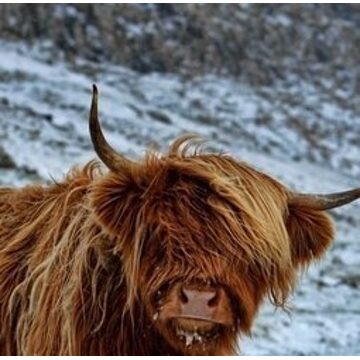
(305, 133)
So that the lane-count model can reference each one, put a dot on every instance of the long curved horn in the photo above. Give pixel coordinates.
(324, 201)
(113, 160)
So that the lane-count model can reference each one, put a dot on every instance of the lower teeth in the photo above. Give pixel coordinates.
(190, 337)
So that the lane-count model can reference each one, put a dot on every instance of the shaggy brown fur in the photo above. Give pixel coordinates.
(83, 261)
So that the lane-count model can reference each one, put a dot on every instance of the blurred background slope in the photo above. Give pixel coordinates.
(277, 85)
(260, 43)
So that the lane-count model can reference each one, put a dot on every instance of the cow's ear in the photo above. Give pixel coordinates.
(115, 201)
(310, 233)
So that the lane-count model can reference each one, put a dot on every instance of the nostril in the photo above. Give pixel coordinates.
(214, 300)
(183, 298)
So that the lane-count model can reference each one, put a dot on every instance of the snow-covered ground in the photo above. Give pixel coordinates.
(295, 131)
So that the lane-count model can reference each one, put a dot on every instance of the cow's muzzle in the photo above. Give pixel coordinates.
(195, 307)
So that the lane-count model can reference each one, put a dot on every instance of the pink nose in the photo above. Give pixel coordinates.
(195, 306)
(199, 304)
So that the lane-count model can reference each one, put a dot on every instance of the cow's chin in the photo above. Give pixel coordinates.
(197, 337)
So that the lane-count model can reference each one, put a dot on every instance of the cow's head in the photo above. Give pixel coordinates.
(205, 238)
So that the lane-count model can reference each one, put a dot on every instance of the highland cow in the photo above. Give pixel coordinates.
(172, 254)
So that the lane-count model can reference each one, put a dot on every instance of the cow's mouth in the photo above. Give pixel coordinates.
(195, 332)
